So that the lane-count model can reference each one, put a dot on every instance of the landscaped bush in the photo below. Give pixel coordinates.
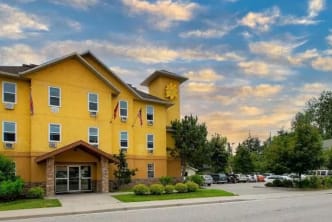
(141, 189)
(311, 182)
(7, 169)
(169, 189)
(166, 180)
(287, 183)
(11, 190)
(36, 193)
(277, 183)
(157, 189)
(269, 184)
(181, 188)
(198, 179)
(192, 186)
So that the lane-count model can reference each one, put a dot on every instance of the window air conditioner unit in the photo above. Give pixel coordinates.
(95, 145)
(150, 122)
(123, 119)
(52, 144)
(93, 113)
(9, 105)
(150, 150)
(9, 145)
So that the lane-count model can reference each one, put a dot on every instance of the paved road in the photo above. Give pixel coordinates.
(305, 208)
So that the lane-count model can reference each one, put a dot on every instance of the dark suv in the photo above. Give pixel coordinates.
(219, 178)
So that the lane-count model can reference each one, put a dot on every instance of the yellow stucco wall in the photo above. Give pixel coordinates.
(76, 80)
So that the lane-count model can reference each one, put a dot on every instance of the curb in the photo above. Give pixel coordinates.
(122, 209)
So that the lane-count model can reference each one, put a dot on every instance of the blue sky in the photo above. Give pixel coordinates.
(252, 64)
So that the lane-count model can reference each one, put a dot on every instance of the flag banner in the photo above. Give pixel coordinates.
(115, 112)
(31, 104)
(139, 115)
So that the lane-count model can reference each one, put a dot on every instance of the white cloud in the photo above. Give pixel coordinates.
(163, 13)
(274, 49)
(205, 75)
(78, 4)
(292, 20)
(16, 24)
(215, 32)
(322, 63)
(261, 21)
(314, 7)
(250, 110)
(300, 58)
(19, 54)
(329, 39)
(254, 68)
(74, 25)
(262, 90)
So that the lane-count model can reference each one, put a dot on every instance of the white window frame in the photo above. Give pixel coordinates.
(49, 133)
(93, 144)
(49, 96)
(147, 109)
(122, 108)
(120, 139)
(3, 92)
(92, 93)
(147, 141)
(3, 132)
(153, 170)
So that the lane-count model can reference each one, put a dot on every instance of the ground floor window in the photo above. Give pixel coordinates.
(150, 170)
(73, 178)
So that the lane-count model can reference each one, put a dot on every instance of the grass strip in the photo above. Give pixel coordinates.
(29, 204)
(198, 194)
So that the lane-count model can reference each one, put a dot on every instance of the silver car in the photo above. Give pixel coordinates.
(208, 180)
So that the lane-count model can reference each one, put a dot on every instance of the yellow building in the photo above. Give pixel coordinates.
(62, 122)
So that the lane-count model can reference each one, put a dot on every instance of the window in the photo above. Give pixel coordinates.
(54, 96)
(9, 92)
(123, 140)
(9, 132)
(149, 114)
(93, 136)
(149, 139)
(123, 108)
(93, 102)
(54, 133)
(150, 170)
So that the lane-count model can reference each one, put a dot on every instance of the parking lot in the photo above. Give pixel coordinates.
(248, 188)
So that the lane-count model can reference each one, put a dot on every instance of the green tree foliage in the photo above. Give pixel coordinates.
(252, 144)
(328, 158)
(307, 153)
(190, 142)
(277, 154)
(319, 112)
(7, 169)
(242, 160)
(218, 147)
(122, 173)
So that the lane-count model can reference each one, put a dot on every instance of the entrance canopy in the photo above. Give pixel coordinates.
(77, 145)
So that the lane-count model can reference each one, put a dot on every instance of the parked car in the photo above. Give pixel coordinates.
(260, 178)
(252, 178)
(219, 178)
(231, 178)
(270, 179)
(242, 178)
(208, 180)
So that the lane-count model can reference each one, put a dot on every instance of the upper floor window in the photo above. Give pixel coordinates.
(54, 132)
(149, 114)
(8, 92)
(54, 96)
(93, 136)
(123, 108)
(93, 102)
(9, 131)
(150, 169)
(124, 140)
(150, 141)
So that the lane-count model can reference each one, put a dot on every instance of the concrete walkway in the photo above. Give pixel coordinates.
(105, 202)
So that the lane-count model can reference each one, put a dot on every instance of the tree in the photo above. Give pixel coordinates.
(307, 153)
(252, 144)
(319, 110)
(242, 160)
(218, 147)
(328, 158)
(7, 169)
(122, 173)
(190, 142)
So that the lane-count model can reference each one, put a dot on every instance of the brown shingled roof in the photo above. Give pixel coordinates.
(16, 69)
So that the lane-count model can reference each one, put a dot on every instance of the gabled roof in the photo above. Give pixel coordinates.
(139, 94)
(72, 55)
(77, 145)
(16, 69)
(165, 73)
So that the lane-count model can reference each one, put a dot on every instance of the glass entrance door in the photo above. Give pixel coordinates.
(74, 178)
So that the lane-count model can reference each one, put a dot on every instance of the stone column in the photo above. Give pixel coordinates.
(104, 175)
(50, 185)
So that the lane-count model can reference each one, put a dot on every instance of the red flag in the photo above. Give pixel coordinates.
(116, 110)
(31, 105)
(139, 115)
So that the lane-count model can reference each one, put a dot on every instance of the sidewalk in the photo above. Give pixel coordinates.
(104, 202)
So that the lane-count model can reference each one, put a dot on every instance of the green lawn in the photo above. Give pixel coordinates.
(198, 194)
(29, 203)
